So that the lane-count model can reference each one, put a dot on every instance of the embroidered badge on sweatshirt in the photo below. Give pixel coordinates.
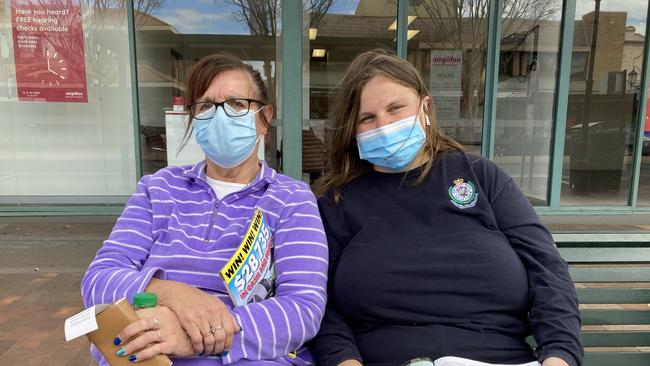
(463, 194)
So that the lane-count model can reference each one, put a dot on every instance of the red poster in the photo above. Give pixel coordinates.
(49, 50)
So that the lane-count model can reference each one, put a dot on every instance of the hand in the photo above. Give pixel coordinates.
(206, 319)
(157, 332)
(554, 361)
(350, 363)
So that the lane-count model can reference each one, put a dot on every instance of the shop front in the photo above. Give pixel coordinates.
(554, 92)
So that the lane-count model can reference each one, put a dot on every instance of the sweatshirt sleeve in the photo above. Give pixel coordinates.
(274, 327)
(118, 269)
(553, 314)
(335, 341)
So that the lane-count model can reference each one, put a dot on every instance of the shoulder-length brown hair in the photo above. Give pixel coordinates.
(344, 162)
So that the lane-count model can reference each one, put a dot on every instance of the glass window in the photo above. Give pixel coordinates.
(447, 43)
(337, 32)
(530, 43)
(170, 38)
(644, 180)
(603, 105)
(66, 135)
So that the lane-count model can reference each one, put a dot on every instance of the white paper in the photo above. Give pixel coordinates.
(82, 323)
(459, 361)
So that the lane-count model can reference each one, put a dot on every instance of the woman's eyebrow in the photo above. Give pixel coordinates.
(397, 101)
(365, 114)
(392, 103)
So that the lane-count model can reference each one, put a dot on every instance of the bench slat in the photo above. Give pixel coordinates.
(599, 255)
(617, 358)
(634, 253)
(616, 317)
(610, 274)
(616, 339)
(613, 295)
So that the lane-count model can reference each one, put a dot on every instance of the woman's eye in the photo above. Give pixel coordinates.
(365, 120)
(394, 108)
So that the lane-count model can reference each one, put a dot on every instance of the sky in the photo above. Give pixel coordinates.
(201, 17)
(217, 16)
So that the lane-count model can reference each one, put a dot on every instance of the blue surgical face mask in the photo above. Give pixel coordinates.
(394, 146)
(227, 141)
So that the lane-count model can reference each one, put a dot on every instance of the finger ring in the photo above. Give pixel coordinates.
(156, 323)
(209, 333)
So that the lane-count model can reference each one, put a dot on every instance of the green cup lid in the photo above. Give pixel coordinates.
(145, 300)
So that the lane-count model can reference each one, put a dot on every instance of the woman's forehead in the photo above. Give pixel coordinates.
(382, 91)
(231, 84)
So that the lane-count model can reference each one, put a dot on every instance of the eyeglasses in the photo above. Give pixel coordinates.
(236, 107)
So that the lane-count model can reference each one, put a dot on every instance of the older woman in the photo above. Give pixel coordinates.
(184, 223)
(433, 252)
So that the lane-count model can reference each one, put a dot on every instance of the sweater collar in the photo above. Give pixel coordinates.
(266, 174)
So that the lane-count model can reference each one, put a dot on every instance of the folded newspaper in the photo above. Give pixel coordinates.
(249, 275)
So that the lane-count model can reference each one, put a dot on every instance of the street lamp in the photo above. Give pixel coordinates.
(632, 78)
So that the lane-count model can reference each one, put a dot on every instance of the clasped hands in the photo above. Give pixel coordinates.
(186, 322)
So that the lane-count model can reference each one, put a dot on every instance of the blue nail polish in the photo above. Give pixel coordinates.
(120, 352)
(224, 353)
(117, 341)
(201, 354)
(132, 358)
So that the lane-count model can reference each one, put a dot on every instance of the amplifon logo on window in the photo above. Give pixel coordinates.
(444, 60)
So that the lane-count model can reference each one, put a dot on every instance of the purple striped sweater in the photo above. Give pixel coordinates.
(175, 228)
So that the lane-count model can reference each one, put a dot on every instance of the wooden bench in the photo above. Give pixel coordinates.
(612, 277)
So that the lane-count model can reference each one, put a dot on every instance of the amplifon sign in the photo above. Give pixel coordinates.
(49, 50)
(445, 77)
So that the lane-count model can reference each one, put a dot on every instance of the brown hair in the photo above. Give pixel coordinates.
(344, 161)
(200, 76)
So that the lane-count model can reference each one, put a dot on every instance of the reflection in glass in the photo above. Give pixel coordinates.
(526, 91)
(603, 99)
(338, 31)
(66, 153)
(170, 37)
(447, 43)
(644, 179)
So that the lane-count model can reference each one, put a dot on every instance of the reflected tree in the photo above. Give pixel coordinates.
(262, 16)
(103, 17)
(463, 25)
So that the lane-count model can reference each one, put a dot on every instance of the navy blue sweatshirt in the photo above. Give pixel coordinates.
(458, 265)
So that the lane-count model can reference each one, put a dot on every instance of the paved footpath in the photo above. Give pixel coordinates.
(42, 261)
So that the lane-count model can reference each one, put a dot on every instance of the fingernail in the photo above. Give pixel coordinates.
(224, 353)
(117, 341)
(132, 358)
(201, 354)
(120, 352)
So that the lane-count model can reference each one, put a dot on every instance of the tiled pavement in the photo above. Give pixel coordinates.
(42, 261)
(33, 307)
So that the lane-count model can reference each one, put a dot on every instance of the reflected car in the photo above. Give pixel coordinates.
(606, 128)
